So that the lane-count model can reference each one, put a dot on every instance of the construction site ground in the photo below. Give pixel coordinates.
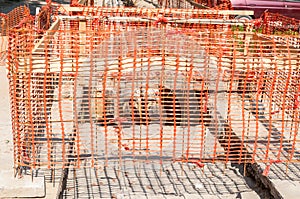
(171, 180)
(135, 179)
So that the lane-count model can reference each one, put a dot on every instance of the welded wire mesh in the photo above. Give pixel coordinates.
(156, 181)
(99, 91)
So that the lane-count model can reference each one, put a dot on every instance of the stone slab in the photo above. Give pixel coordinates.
(11, 187)
(249, 195)
(287, 189)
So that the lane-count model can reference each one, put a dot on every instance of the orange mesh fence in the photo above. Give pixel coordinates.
(3, 24)
(3, 39)
(185, 4)
(220, 4)
(7, 21)
(14, 18)
(43, 19)
(284, 30)
(82, 2)
(100, 90)
(276, 24)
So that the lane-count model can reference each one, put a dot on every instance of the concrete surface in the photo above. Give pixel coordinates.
(248, 195)
(20, 187)
(6, 144)
(288, 189)
(9, 185)
(284, 172)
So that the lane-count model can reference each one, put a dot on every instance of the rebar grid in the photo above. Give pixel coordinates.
(171, 180)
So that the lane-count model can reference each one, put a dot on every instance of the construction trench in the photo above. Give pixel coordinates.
(116, 103)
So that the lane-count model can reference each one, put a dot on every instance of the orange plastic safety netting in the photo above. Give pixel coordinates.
(8, 21)
(3, 40)
(185, 4)
(276, 24)
(150, 85)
